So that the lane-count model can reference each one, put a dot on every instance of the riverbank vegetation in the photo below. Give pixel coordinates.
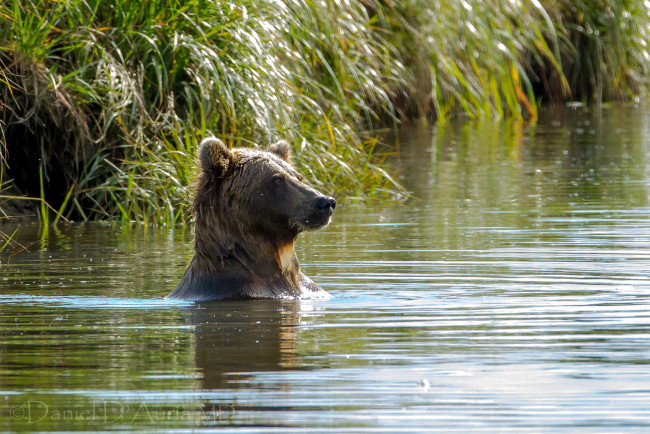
(102, 104)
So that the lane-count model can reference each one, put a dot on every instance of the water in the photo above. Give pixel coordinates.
(512, 294)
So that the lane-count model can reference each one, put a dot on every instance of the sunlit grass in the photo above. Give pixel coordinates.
(491, 59)
(137, 85)
(105, 102)
(607, 47)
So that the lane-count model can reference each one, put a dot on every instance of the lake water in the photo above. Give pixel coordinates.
(512, 293)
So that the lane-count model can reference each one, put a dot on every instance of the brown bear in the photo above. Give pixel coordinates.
(249, 207)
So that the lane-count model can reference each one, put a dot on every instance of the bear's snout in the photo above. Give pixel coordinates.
(326, 205)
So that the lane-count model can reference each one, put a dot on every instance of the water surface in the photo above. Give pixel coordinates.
(512, 293)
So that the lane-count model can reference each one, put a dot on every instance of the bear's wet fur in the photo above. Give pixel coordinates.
(249, 207)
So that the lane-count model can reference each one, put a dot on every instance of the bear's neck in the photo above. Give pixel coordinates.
(252, 260)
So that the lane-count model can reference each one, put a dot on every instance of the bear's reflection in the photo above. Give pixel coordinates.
(239, 337)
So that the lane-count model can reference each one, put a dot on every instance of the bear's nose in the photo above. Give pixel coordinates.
(326, 204)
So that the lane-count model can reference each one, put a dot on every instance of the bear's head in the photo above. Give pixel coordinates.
(246, 195)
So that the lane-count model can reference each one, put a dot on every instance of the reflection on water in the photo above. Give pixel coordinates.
(235, 339)
(511, 293)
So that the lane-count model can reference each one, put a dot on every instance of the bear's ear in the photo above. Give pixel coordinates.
(282, 149)
(214, 156)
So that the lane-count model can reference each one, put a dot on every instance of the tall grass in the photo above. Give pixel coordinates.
(129, 88)
(490, 58)
(108, 100)
(608, 47)
(476, 56)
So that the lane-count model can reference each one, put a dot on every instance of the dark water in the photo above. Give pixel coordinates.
(512, 294)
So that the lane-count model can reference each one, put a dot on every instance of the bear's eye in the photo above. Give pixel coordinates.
(278, 179)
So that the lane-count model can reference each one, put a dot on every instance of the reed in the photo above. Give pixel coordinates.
(607, 48)
(5, 240)
(490, 59)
